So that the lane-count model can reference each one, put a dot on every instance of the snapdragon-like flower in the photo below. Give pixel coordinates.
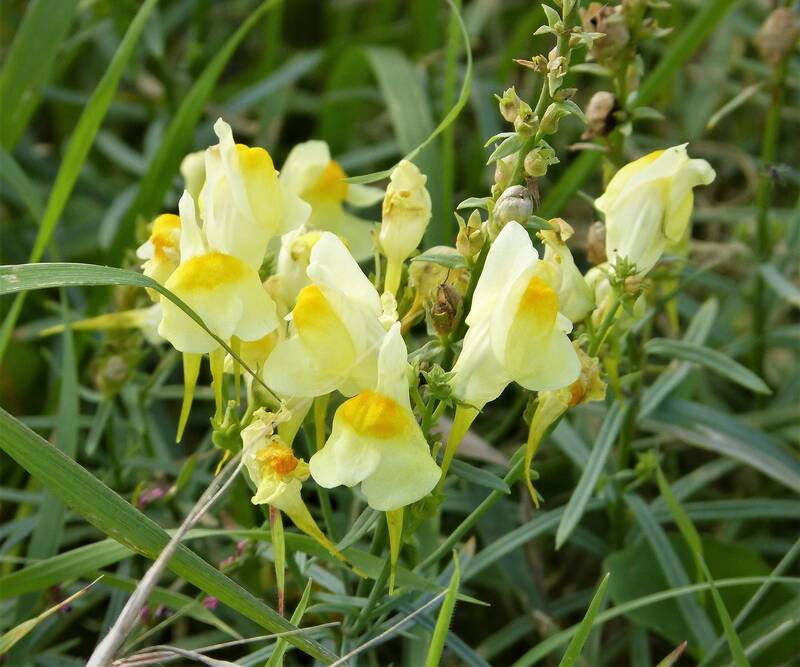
(279, 475)
(516, 330)
(406, 213)
(310, 173)
(294, 257)
(161, 251)
(376, 441)
(336, 329)
(574, 295)
(648, 205)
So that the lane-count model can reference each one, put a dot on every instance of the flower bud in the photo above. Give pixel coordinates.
(514, 204)
(503, 169)
(777, 36)
(193, 170)
(471, 236)
(600, 115)
(552, 115)
(539, 159)
(509, 104)
(406, 212)
(596, 243)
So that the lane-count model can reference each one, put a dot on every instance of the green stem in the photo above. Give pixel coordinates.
(605, 327)
(769, 152)
(445, 232)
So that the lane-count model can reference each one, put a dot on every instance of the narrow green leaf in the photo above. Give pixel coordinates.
(591, 473)
(276, 659)
(735, 644)
(693, 613)
(18, 181)
(450, 261)
(674, 656)
(780, 285)
(575, 647)
(79, 145)
(445, 615)
(711, 359)
(28, 62)
(178, 135)
(104, 509)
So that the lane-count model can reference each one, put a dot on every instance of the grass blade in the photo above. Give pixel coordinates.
(575, 647)
(276, 659)
(711, 359)
(737, 650)
(12, 174)
(178, 136)
(445, 615)
(109, 513)
(591, 473)
(79, 145)
(674, 656)
(27, 65)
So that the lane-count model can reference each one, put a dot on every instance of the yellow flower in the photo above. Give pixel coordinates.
(376, 441)
(516, 332)
(310, 173)
(648, 205)
(293, 259)
(335, 329)
(279, 475)
(161, 251)
(574, 295)
(406, 213)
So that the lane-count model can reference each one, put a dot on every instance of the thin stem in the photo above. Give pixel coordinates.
(605, 327)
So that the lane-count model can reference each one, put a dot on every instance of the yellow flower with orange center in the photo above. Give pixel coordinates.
(310, 173)
(161, 251)
(376, 441)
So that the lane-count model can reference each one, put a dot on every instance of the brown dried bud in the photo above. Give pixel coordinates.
(600, 115)
(599, 17)
(596, 243)
(445, 312)
(777, 36)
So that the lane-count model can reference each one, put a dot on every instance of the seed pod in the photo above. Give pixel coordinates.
(777, 36)
(600, 115)
(514, 204)
(596, 243)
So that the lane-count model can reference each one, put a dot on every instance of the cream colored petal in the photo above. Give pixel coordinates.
(556, 365)
(393, 367)
(511, 254)
(362, 196)
(295, 212)
(290, 371)
(405, 474)
(227, 295)
(346, 459)
(193, 170)
(478, 375)
(192, 241)
(304, 166)
(333, 268)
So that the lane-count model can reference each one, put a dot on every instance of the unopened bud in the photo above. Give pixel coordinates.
(600, 115)
(539, 159)
(554, 113)
(471, 236)
(777, 36)
(514, 204)
(503, 169)
(509, 104)
(596, 243)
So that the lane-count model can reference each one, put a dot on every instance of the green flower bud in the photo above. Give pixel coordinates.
(509, 104)
(514, 204)
(471, 236)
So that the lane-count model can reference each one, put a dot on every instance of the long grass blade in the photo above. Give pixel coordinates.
(573, 652)
(445, 616)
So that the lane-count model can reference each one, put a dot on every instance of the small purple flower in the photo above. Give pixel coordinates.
(210, 602)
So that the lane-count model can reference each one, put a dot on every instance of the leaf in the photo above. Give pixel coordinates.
(591, 473)
(711, 359)
(674, 572)
(177, 138)
(735, 644)
(109, 513)
(573, 652)
(509, 146)
(737, 101)
(12, 174)
(478, 476)
(449, 117)
(80, 142)
(276, 659)
(474, 202)
(674, 656)
(450, 261)
(780, 285)
(26, 67)
(21, 277)
(445, 616)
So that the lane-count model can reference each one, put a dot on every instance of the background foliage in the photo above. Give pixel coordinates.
(373, 78)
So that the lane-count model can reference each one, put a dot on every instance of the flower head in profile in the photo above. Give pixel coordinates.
(311, 174)
(516, 330)
(161, 252)
(291, 274)
(648, 205)
(335, 329)
(376, 440)
(574, 295)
